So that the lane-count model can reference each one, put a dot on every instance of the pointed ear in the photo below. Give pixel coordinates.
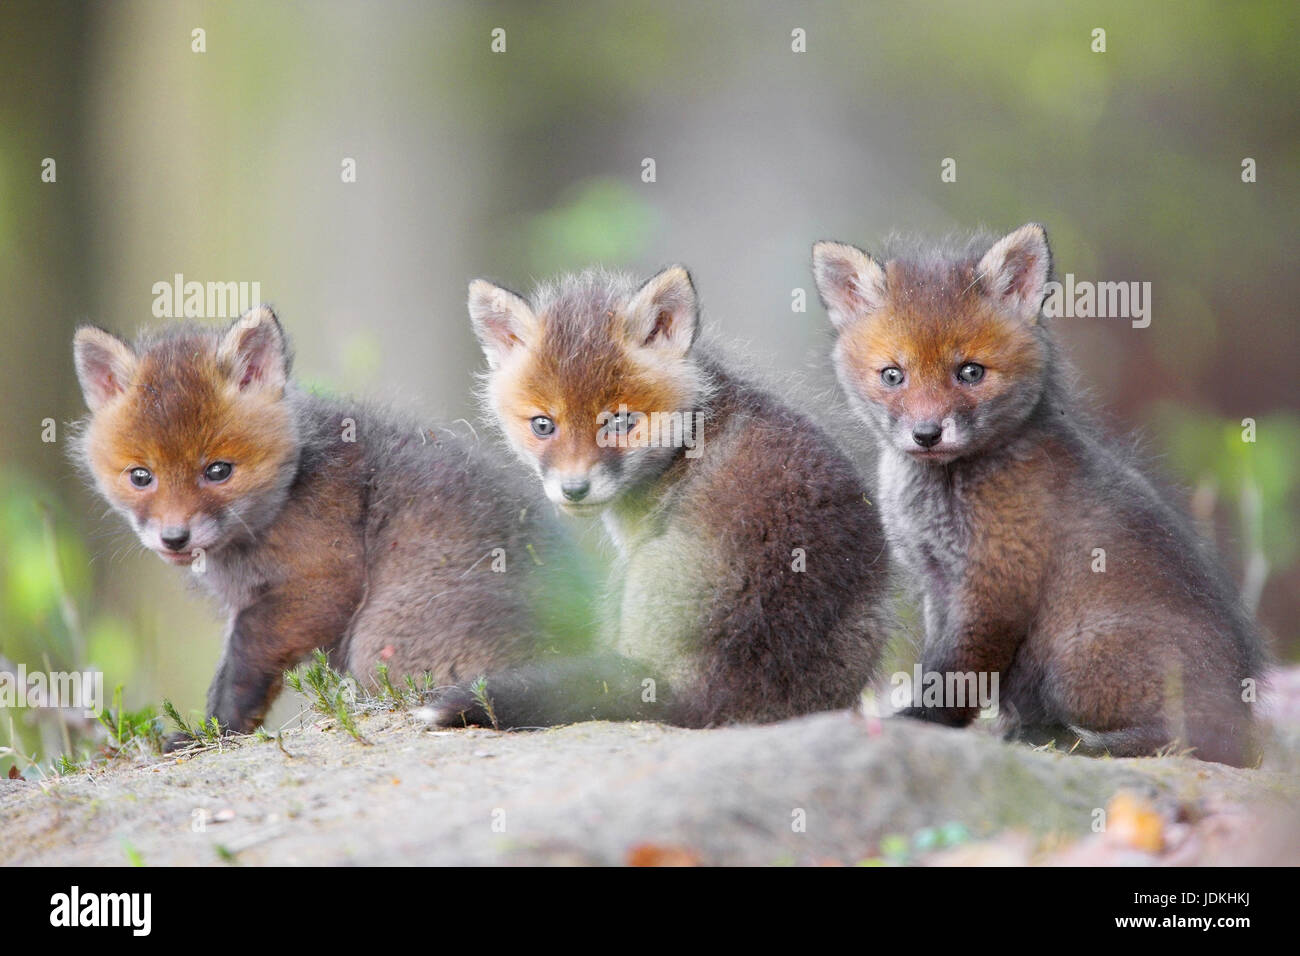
(851, 283)
(1013, 273)
(105, 365)
(254, 352)
(502, 320)
(663, 313)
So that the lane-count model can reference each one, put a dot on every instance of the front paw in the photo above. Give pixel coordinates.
(947, 716)
(204, 732)
(178, 741)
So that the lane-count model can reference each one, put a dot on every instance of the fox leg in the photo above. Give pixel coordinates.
(248, 677)
(964, 642)
(241, 690)
(263, 641)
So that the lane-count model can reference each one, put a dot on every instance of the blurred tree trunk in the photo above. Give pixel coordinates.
(43, 69)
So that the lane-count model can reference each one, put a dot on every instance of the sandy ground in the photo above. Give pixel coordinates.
(832, 788)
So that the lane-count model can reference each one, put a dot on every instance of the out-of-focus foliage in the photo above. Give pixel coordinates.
(45, 575)
(1216, 452)
(600, 220)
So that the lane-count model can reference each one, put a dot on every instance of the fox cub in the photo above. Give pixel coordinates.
(1044, 555)
(317, 523)
(750, 562)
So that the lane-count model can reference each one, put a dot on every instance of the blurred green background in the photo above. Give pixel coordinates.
(225, 165)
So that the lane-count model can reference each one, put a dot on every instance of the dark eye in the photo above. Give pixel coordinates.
(543, 427)
(892, 376)
(140, 477)
(970, 373)
(218, 471)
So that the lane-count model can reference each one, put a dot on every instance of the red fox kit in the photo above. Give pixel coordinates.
(751, 562)
(318, 523)
(1001, 499)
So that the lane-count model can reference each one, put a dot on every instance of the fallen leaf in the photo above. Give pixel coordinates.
(655, 854)
(1131, 820)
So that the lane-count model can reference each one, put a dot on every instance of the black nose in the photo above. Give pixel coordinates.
(927, 434)
(175, 538)
(575, 489)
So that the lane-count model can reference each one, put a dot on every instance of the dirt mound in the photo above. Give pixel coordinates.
(829, 788)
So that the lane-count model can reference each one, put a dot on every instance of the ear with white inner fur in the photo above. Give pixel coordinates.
(1013, 273)
(105, 365)
(254, 353)
(663, 314)
(851, 283)
(502, 320)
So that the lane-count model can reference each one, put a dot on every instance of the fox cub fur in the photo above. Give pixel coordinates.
(316, 522)
(999, 497)
(750, 563)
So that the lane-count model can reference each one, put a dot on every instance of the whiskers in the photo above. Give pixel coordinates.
(110, 530)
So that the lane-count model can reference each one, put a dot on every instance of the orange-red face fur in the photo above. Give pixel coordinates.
(175, 409)
(929, 331)
(923, 322)
(573, 380)
(595, 347)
